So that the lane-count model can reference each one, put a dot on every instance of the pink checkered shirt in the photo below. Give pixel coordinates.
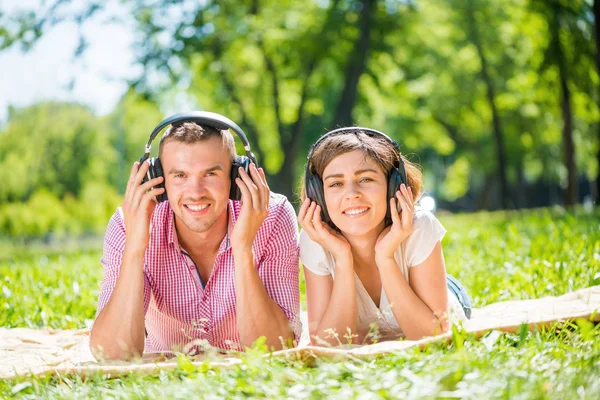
(178, 309)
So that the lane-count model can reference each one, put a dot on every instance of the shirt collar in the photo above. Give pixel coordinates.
(225, 243)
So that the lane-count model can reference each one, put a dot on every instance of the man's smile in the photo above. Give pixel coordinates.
(197, 209)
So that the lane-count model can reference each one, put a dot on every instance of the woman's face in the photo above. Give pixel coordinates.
(355, 190)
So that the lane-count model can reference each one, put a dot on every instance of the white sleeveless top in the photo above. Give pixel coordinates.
(427, 231)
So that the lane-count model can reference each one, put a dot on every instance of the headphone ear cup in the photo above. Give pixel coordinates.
(314, 191)
(239, 161)
(154, 171)
(394, 181)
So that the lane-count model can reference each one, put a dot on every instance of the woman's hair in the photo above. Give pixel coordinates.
(376, 147)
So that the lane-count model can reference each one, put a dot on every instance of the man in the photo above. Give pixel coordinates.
(198, 266)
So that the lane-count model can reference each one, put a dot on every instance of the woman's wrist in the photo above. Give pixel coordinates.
(383, 260)
(344, 259)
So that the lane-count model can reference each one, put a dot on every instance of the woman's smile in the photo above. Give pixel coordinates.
(354, 212)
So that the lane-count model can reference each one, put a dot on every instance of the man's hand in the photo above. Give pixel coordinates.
(138, 206)
(257, 313)
(255, 206)
(118, 331)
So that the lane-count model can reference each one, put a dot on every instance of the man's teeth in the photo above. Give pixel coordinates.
(197, 208)
(356, 211)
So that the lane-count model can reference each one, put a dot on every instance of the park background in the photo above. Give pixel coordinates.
(498, 101)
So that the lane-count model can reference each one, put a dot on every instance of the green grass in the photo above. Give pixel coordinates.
(498, 256)
(56, 290)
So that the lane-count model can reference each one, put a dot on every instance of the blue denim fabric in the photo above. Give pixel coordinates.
(461, 294)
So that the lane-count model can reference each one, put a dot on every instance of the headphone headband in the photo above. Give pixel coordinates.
(207, 118)
(341, 131)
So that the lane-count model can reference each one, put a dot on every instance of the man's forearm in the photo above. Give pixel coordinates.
(118, 331)
(257, 314)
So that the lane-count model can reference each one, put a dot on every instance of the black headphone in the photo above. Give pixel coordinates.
(313, 185)
(213, 120)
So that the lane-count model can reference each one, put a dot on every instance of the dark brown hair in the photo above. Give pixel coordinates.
(190, 132)
(378, 148)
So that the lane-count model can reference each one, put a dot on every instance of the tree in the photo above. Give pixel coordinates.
(468, 85)
(56, 146)
(568, 50)
(596, 12)
(279, 68)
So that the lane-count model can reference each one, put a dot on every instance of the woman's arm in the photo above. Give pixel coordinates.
(421, 308)
(331, 304)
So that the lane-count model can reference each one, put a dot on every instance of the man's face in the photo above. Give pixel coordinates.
(197, 179)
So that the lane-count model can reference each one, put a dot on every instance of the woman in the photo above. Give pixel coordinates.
(373, 262)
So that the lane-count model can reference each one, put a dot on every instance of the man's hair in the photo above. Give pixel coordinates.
(190, 132)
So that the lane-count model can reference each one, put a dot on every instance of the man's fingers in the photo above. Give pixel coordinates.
(246, 196)
(139, 176)
(152, 182)
(140, 191)
(150, 196)
(263, 194)
(266, 189)
(136, 182)
(132, 173)
(256, 176)
(134, 169)
(252, 188)
(264, 178)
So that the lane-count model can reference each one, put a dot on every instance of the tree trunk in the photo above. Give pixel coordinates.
(570, 198)
(520, 195)
(357, 63)
(491, 97)
(596, 10)
(287, 177)
(291, 139)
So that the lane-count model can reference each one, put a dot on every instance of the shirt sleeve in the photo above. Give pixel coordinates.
(427, 231)
(278, 268)
(313, 256)
(114, 245)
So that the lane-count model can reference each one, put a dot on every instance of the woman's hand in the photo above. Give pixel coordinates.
(402, 225)
(309, 218)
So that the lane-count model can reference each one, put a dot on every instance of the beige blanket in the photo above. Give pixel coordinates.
(40, 352)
